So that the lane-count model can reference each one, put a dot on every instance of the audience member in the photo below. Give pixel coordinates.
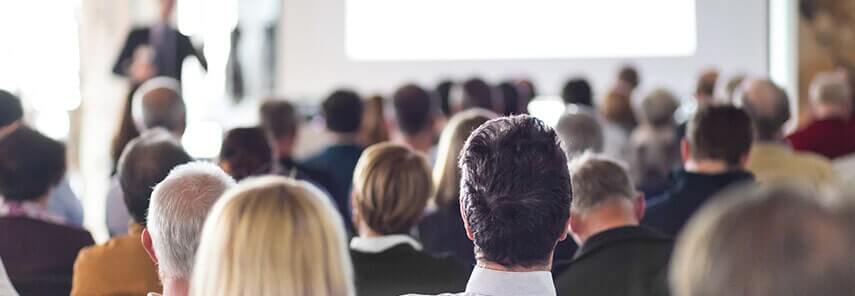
(391, 188)
(728, 249)
(579, 133)
(414, 118)
(654, 149)
(515, 219)
(578, 97)
(11, 113)
(705, 88)
(179, 205)
(246, 152)
(374, 129)
(714, 152)
(343, 113)
(272, 236)
(618, 257)
(6, 288)
(512, 102)
(527, 90)
(629, 78)
(771, 159)
(441, 231)
(617, 109)
(473, 93)
(577, 91)
(442, 94)
(37, 249)
(831, 133)
(121, 266)
(732, 87)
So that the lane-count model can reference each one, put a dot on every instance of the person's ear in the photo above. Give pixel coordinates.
(575, 225)
(469, 232)
(567, 228)
(743, 160)
(640, 206)
(685, 150)
(147, 245)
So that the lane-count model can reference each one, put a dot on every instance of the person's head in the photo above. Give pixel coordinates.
(473, 93)
(413, 110)
(732, 88)
(273, 236)
(446, 173)
(728, 248)
(617, 108)
(10, 113)
(768, 106)
(578, 91)
(145, 162)
(391, 188)
(603, 196)
(282, 122)
(720, 134)
(511, 100)
(342, 111)
(30, 165)
(179, 205)
(658, 107)
(579, 133)
(158, 103)
(628, 75)
(166, 9)
(374, 127)
(831, 96)
(515, 192)
(705, 88)
(246, 152)
(442, 95)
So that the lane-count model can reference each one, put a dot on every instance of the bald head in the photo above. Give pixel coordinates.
(831, 96)
(768, 106)
(158, 103)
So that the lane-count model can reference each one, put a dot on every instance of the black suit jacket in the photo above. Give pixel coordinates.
(624, 261)
(404, 270)
(142, 36)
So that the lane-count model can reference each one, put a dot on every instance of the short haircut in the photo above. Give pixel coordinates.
(729, 249)
(476, 94)
(279, 118)
(30, 165)
(658, 108)
(579, 132)
(515, 190)
(769, 108)
(596, 179)
(10, 108)
(413, 109)
(722, 133)
(578, 91)
(629, 75)
(442, 94)
(831, 89)
(391, 188)
(342, 111)
(158, 103)
(145, 162)
(706, 83)
(511, 98)
(247, 152)
(179, 205)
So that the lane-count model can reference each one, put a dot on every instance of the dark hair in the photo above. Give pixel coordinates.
(145, 162)
(768, 122)
(442, 94)
(477, 94)
(706, 83)
(279, 118)
(629, 75)
(10, 108)
(515, 190)
(578, 91)
(343, 111)
(413, 109)
(247, 152)
(511, 98)
(30, 164)
(720, 133)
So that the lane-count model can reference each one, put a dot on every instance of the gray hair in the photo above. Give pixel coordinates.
(179, 205)
(596, 179)
(831, 88)
(658, 107)
(158, 103)
(579, 133)
(769, 108)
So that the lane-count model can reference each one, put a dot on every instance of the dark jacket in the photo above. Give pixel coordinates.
(39, 256)
(142, 36)
(338, 162)
(404, 270)
(624, 261)
(442, 233)
(687, 193)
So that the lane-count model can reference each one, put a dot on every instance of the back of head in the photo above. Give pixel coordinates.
(145, 162)
(658, 108)
(30, 165)
(729, 249)
(629, 75)
(442, 94)
(720, 133)
(768, 106)
(578, 91)
(446, 173)
(246, 152)
(413, 109)
(617, 108)
(273, 236)
(596, 180)
(579, 133)
(511, 98)
(705, 89)
(10, 108)
(179, 206)
(342, 111)
(391, 187)
(832, 90)
(475, 93)
(374, 127)
(732, 87)
(158, 103)
(279, 118)
(515, 191)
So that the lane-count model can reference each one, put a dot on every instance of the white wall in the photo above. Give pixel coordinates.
(732, 35)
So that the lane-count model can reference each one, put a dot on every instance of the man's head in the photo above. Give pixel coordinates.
(179, 205)
(719, 134)
(515, 192)
(342, 111)
(473, 93)
(30, 165)
(282, 122)
(831, 96)
(414, 112)
(579, 133)
(768, 106)
(158, 103)
(10, 113)
(705, 89)
(578, 91)
(628, 75)
(145, 162)
(603, 194)
(728, 248)
(658, 108)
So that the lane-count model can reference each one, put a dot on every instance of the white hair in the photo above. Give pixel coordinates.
(177, 212)
(830, 88)
(170, 115)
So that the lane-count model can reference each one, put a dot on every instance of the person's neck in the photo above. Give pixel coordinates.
(498, 267)
(366, 232)
(707, 167)
(831, 113)
(422, 141)
(175, 287)
(605, 218)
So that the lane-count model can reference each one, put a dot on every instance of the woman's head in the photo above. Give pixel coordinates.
(246, 152)
(273, 236)
(30, 165)
(446, 174)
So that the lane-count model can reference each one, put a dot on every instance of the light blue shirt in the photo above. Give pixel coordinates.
(118, 217)
(64, 203)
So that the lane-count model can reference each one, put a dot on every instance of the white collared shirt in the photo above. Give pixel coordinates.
(488, 282)
(382, 243)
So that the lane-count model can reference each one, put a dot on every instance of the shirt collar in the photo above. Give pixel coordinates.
(489, 282)
(382, 243)
(28, 209)
(617, 235)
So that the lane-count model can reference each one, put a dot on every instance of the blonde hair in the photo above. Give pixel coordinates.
(391, 187)
(446, 174)
(273, 236)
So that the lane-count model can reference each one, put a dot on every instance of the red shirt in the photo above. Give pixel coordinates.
(829, 137)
